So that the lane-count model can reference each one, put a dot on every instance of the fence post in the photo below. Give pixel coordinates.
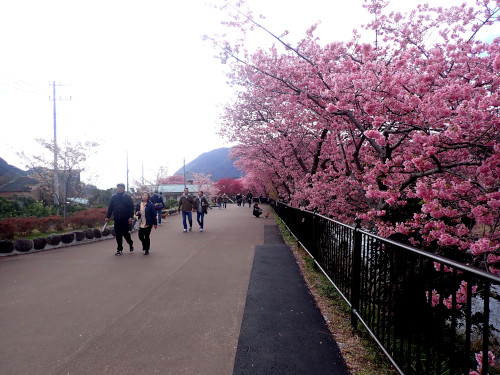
(356, 273)
(313, 240)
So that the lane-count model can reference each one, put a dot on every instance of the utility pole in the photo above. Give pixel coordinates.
(184, 173)
(56, 150)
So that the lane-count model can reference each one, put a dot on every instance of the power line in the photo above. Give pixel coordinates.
(21, 85)
(23, 89)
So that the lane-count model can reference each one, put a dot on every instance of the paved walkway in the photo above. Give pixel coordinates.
(229, 300)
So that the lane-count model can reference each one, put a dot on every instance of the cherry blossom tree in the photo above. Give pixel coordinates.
(230, 186)
(204, 183)
(175, 179)
(401, 133)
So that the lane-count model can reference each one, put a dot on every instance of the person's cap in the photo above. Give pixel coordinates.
(120, 185)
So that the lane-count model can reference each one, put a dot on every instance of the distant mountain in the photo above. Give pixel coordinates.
(9, 172)
(6, 168)
(215, 162)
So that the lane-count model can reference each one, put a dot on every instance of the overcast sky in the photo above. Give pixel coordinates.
(140, 77)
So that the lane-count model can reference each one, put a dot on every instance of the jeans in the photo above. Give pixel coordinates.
(159, 216)
(144, 237)
(199, 218)
(190, 218)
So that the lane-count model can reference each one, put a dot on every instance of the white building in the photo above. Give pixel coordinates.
(175, 191)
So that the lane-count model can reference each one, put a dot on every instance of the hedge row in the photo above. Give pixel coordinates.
(22, 226)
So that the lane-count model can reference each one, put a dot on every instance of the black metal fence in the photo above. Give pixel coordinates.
(428, 314)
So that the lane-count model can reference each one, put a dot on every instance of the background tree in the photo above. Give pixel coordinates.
(101, 198)
(71, 159)
(152, 184)
(204, 183)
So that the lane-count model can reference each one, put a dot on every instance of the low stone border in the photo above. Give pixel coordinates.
(55, 241)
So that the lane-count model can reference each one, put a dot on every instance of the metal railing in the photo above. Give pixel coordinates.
(428, 314)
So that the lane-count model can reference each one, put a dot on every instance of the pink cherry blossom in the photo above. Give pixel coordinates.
(403, 133)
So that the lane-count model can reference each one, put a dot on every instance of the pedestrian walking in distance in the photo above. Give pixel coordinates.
(157, 200)
(201, 205)
(146, 213)
(249, 199)
(122, 209)
(186, 203)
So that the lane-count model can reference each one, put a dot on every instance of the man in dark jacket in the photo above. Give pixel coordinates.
(122, 208)
(186, 203)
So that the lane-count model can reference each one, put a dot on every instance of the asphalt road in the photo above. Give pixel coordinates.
(82, 310)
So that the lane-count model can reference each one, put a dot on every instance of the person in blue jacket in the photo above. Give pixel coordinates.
(157, 200)
(146, 213)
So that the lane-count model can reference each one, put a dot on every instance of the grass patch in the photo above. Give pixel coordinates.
(361, 354)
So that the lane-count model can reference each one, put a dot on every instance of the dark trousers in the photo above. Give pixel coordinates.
(122, 231)
(144, 237)
(257, 213)
(199, 218)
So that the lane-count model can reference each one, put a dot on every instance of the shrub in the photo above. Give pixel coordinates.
(59, 225)
(53, 239)
(24, 226)
(68, 237)
(88, 218)
(80, 236)
(23, 245)
(89, 233)
(48, 223)
(171, 203)
(6, 247)
(76, 221)
(22, 207)
(11, 227)
(39, 243)
(45, 223)
(38, 209)
(8, 208)
(7, 229)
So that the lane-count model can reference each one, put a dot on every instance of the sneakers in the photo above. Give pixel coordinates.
(190, 229)
(118, 252)
(184, 230)
(146, 252)
(131, 248)
(201, 229)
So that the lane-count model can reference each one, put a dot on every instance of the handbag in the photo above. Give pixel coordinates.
(137, 224)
